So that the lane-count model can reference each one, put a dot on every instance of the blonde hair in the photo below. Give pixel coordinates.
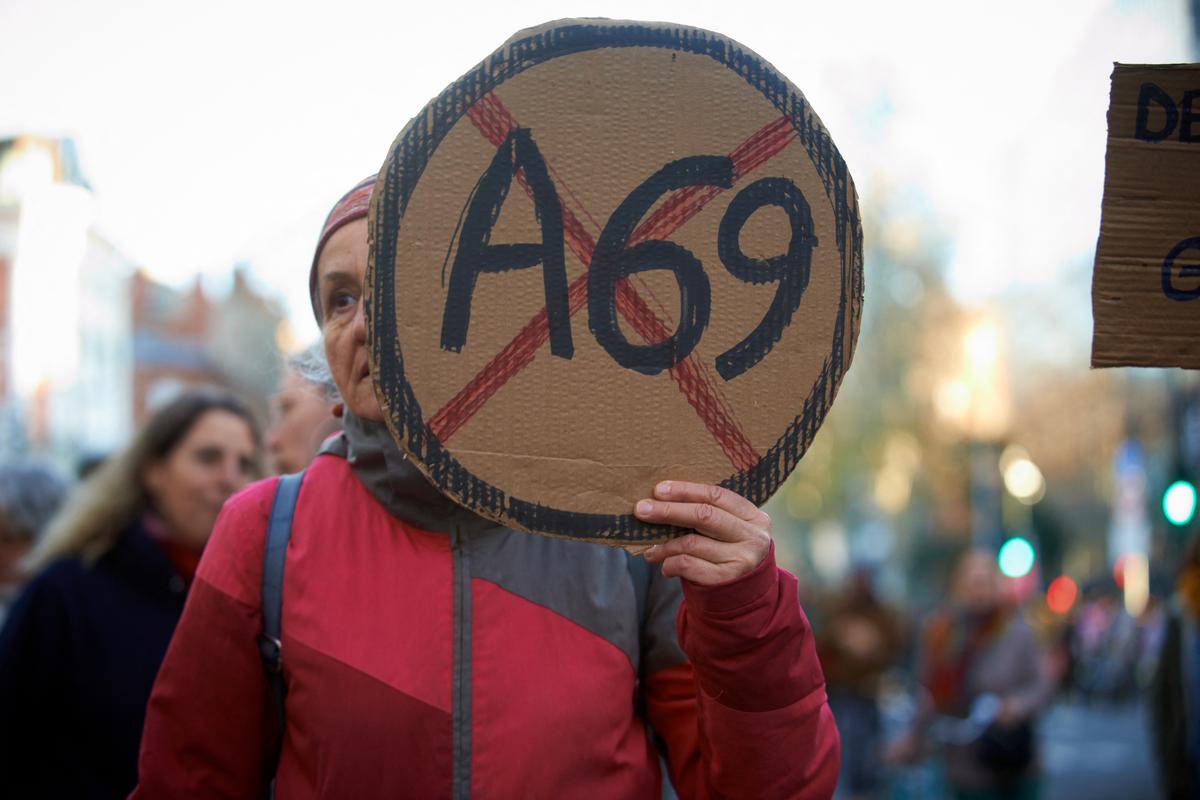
(113, 495)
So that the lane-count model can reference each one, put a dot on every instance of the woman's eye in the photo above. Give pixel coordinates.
(208, 456)
(342, 300)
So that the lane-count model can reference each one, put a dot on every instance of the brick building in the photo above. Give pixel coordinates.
(88, 343)
(183, 338)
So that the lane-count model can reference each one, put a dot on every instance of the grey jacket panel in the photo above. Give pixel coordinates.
(589, 584)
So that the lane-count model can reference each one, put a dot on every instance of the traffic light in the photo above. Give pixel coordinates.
(1016, 557)
(1179, 502)
(1061, 594)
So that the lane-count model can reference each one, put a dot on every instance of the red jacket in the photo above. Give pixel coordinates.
(475, 661)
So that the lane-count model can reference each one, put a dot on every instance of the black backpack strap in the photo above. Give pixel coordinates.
(279, 530)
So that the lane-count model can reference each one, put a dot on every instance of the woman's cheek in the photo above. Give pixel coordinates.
(340, 357)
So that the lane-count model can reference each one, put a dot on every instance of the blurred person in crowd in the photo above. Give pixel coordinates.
(1152, 628)
(1089, 632)
(1106, 641)
(84, 640)
(981, 671)
(1175, 688)
(1121, 651)
(306, 410)
(429, 652)
(861, 638)
(30, 493)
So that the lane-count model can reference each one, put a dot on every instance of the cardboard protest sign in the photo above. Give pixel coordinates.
(612, 253)
(1147, 271)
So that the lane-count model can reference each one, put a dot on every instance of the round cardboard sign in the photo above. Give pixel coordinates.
(612, 253)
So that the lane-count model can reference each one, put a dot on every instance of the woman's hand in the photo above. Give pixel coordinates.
(731, 535)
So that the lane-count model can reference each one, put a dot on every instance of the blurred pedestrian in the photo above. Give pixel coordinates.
(30, 493)
(1175, 689)
(1107, 640)
(862, 637)
(981, 671)
(1152, 627)
(1089, 640)
(84, 640)
(305, 411)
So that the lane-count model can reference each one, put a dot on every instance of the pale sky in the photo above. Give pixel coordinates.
(223, 131)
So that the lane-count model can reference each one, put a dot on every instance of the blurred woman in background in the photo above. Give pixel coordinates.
(83, 642)
(981, 670)
(305, 411)
(863, 637)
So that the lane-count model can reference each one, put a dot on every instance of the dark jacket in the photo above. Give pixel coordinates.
(1170, 695)
(78, 655)
(430, 653)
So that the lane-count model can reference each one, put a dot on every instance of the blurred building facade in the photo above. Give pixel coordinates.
(89, 344)
(184, 338)
(64, 324)
(914, 462)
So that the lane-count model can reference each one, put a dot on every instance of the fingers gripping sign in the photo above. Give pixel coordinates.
(730, 537)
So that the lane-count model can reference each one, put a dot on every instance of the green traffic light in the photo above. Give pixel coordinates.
(1179, 503)
(1016, 557)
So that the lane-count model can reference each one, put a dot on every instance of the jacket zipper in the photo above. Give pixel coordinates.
(460, 718)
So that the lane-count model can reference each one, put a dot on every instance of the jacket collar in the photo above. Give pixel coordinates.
(386, 472)
(140, 560)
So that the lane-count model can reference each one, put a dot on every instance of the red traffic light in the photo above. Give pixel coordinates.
(1061, 594)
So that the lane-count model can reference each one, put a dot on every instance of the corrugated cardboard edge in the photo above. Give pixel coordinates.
(1100, 360)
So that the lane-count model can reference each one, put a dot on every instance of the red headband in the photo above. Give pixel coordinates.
(353, 205)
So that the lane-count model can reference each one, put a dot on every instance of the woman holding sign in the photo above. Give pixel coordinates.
(428, 652)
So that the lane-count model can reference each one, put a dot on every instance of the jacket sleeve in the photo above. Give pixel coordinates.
(747, 717)
(208, 723)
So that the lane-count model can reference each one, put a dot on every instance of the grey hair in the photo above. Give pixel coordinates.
(30, 495)
(310, 364)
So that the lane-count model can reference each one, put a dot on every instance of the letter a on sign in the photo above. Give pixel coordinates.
(476, 255)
